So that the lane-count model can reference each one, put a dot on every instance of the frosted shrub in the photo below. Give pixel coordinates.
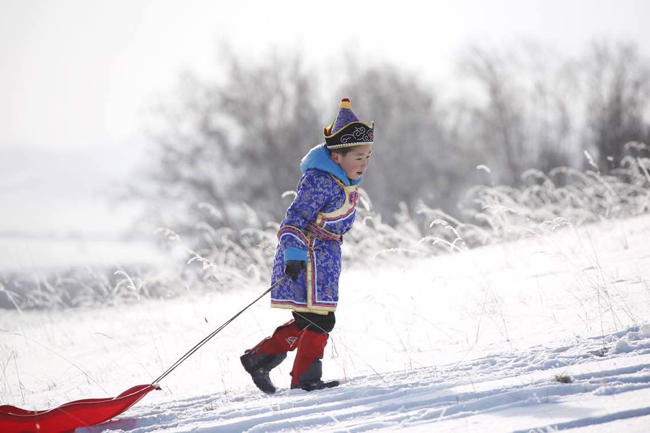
(566, 196)
(223, 258)
(228, 257)
(86, 287)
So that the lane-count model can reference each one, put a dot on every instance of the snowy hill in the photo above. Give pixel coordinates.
(64, 192)
(60, 208)
(476, 341)
(502, 392)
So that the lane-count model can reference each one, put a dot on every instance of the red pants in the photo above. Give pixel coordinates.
(306, 333)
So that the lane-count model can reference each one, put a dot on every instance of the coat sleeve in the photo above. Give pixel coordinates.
(314, 191)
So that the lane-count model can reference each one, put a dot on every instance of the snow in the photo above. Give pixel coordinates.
(480, 341)
(645, 330)
(62, 209)
(69, 193)
(623, 346)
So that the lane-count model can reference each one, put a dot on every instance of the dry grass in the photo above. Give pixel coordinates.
(563, 378)
(223, 258)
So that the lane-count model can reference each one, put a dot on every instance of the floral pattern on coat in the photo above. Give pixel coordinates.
(323, 210)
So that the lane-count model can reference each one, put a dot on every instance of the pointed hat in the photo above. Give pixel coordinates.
(346, 130)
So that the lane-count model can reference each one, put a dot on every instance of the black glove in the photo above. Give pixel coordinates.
(293, 269)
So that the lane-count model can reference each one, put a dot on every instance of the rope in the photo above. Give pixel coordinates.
(215, 332)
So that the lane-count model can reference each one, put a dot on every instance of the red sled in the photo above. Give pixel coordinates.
(69, 416)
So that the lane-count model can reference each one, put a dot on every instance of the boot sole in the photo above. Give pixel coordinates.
(324, 385)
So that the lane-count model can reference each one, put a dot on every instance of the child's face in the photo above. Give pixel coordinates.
(355, 162)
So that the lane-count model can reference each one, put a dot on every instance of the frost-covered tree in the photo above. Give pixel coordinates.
(523, 112)
(414, 159)
(617, 91)
(226, 149)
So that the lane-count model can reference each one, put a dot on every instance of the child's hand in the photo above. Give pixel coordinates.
(293, 269)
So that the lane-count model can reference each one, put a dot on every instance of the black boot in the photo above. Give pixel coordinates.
(259, 367)
(310, 379)
(315, 385)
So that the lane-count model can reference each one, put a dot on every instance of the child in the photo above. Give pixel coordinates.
(309, 253)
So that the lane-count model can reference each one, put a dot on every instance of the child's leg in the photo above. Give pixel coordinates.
(307, 367)
(283, 340)
(269, 353)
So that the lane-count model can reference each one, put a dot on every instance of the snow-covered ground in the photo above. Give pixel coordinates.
(60, 209)
(471, 341)
(68, 193)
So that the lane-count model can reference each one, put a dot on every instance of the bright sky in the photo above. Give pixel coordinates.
(81, 73)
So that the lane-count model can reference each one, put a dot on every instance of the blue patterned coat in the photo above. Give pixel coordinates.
(323, 210)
